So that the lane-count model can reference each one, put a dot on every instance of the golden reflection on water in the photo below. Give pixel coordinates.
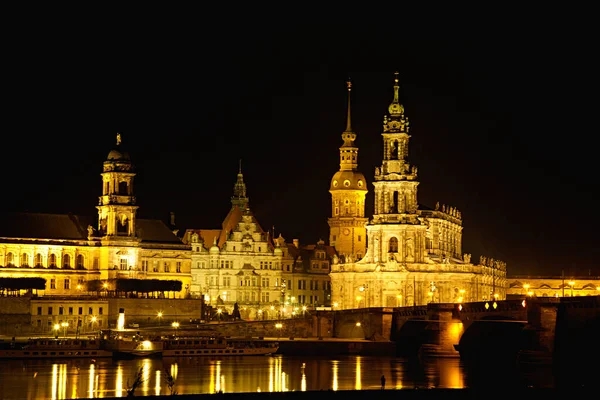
(303, 379)
(358, 383)
(91, 381)
(119, 381)
(157, 383)
(108, 378)
(334, 370)
(59, 381)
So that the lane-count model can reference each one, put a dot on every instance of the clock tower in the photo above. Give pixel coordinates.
(348, 188)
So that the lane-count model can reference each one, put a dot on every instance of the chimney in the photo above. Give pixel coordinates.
(172, 218)
(296, 243)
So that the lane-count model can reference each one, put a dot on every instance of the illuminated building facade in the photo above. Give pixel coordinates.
(306, 274)
(241, 263)
(414, 253)
(238, 263)
(553, 286)
(348, 188)
(67, 251)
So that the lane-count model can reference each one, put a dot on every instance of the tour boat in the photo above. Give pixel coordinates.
(195, 346)
(122, 344)
(54, 348)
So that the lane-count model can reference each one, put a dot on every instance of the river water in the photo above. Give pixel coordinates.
(72, 379)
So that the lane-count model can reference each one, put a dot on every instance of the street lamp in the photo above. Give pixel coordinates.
(461, 298)
(175, 325)
(398, 300)
(56, 328)
(159, 315)
(572, 284)
(526, 287)
(304, 309)
(219, 311)
(65, 325)
(278, 326)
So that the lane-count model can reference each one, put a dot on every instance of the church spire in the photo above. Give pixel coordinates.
(239, 197)
(348, 150)
(349, 119)
(396, 109)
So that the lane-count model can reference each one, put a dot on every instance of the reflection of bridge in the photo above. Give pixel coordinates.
(540, 327)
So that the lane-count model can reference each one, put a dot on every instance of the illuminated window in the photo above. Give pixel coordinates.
(52, 261)
(10, 259)
(66, 261)
(80, 261)
(123, 264)
(393, 248)
(39, 260)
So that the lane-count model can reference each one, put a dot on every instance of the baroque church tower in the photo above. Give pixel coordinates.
(348, 188)
(117, 209)
(396, 232)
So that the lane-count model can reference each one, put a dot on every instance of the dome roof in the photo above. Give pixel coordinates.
(214, 249)
(350, 180)
(116, 155)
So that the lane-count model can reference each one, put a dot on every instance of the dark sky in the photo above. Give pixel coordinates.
(502, 126)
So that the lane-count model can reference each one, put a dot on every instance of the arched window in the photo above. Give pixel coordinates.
(10, 260)
(393, 245)
(52, 261)
(39, 260)
(123, 188)
(66, 261)
(24, 260)
(80, 261)
(123, 225)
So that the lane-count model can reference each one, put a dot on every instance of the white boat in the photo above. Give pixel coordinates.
(198, 346)
(54, 348)
(121, 344)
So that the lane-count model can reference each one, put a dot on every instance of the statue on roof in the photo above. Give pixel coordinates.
(118, 139)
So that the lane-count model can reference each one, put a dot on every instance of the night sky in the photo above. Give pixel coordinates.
(501, 122)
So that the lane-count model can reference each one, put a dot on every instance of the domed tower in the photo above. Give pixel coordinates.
(117, 209)
(348, 188)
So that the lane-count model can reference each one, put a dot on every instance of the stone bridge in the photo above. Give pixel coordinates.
(544, 327)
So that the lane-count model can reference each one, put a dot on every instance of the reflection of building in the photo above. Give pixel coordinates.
(414, 253)
(553, 286)
(68, 251)
(348, 188)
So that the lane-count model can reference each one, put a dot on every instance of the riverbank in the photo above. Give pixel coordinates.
(395, 394)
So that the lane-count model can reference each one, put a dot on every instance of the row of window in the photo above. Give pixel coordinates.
(166, 267)
(38, 261)
(69, 310)
(228, 264)
(225, 281)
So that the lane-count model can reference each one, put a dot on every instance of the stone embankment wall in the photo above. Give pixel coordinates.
(15, 316)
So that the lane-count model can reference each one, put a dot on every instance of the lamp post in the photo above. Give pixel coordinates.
(175, 325)
(56, 328)
(572, 284)
(65, 325)
(159, 315)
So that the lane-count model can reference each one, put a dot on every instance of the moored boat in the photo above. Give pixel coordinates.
(125, 345)
(54, 348)
(196, 346)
